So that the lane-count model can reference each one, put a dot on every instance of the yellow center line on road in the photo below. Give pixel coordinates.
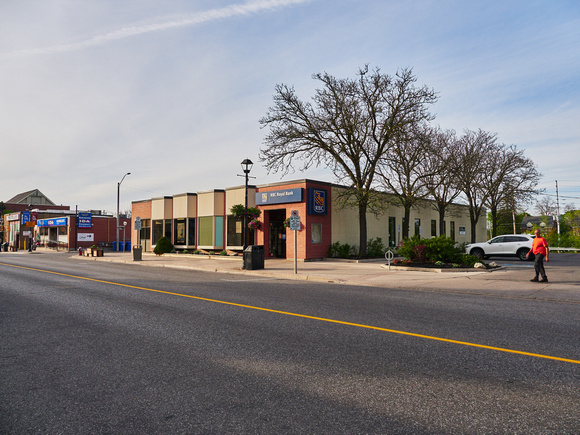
(304, 316)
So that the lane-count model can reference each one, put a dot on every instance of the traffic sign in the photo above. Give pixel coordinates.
(295, 223)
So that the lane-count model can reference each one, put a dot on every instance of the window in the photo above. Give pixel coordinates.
(433, 228)
(452, 230)
(417, 227)
(168, 229)
(219, 231)
(234, 231)
(392, 232)
(206, 231)
(179, 231)
(316, 233)
(191, 232)
(157, 231)
(145, 229)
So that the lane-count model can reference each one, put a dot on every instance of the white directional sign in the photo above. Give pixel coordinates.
(295, 223)
(137, 223)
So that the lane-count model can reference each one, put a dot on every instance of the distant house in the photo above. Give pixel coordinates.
(36, 198)
(530, 222)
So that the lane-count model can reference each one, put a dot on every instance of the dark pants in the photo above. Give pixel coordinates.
(539, 266)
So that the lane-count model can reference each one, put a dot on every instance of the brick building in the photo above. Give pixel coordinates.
(204, 220)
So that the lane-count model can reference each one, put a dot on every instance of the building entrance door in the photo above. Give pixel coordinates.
(277, 234)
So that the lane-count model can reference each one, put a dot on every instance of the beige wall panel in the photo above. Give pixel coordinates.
(211, 203)
(236, 196)
(184, 206)
(162, 208)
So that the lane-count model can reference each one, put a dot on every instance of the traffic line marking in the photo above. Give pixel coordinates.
(305, 316)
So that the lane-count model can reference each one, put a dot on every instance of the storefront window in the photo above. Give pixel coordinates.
(191, 232)
(145, 229)
(417, 227)
(234, 231)
(206, 231)
(316, 233)
(219, 231)
(168, 229)
(179, 231)
(157, 231)
(433, 228)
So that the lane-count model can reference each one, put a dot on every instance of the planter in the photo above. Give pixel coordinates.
(92, 252)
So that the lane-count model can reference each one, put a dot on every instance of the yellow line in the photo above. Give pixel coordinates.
(304, 316)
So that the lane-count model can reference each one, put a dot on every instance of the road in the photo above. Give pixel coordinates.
(89, 347)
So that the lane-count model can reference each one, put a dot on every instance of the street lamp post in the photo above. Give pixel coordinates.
(246, 167)
(118, 193)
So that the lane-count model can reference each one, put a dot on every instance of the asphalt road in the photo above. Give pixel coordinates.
(212, 353)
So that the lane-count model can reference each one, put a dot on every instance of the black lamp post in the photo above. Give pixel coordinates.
(246, 167)
(118, 192)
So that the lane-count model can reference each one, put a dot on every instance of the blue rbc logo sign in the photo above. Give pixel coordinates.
(317, 203)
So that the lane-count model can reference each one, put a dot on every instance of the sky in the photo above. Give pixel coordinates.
(172, 91)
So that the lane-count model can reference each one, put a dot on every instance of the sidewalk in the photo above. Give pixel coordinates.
(512, 281)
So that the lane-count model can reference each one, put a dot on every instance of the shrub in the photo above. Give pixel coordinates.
(420, 253)
(468, 260)
(340, 250)
(224, 253)
(375, 248)
(435, 249)
(442, 249)
(163, 246)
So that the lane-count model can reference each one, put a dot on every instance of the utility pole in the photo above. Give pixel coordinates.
(557, 209)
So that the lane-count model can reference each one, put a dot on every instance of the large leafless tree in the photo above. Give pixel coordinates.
(349, 127)
(405, 169)
(442, 181)
(511, 178)
(472, 162)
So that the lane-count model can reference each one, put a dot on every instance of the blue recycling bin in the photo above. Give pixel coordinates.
(128, 246)
(115, 245)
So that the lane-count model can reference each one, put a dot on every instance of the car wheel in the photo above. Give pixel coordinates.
(477, 252)
(523, 254)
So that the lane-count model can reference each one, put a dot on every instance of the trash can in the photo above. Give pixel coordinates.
(5, 246)
(128, 246)
(254, 257)
(137, 253)
(115, 245)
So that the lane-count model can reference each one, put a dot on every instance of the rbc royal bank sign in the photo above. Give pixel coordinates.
(317, 202)
(279, 196)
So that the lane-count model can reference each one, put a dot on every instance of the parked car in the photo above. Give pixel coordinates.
(507, 245)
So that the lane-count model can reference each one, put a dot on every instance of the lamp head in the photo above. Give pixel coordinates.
(247, 165)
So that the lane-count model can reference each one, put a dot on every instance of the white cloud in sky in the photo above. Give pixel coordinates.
(172, 91)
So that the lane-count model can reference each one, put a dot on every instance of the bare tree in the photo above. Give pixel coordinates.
(511, 178)
(348, 128)
(546, 206)
(404, 171)
(442, 183)
(472, 163)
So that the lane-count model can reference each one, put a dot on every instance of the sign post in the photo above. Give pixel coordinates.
(295, 226)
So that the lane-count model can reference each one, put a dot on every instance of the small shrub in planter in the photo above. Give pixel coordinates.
(375, 248)
(163, 246)
(224, 253)
(339, 250)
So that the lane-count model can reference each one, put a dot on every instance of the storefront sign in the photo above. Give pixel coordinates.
(279, 196)
(86, 237)
(85, 220)
(57, 222)
(317, 202)
(13, 217)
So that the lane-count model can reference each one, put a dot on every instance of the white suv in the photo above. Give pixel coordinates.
(507, 245)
